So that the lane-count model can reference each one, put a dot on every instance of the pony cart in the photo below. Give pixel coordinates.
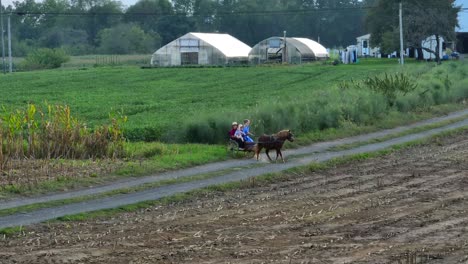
(233, 147)
(267, 142)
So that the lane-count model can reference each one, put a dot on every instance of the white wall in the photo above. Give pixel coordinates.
(431, 43)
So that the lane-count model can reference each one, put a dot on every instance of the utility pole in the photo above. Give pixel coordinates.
(3, 37)
(9, 44)
(284, 47)
(402, 57)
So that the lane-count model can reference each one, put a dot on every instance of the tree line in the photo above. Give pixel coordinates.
(421, 19)
(107, 27)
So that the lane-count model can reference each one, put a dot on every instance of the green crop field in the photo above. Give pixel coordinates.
(103, 60)
(317, 101)
(84, 61)
(181, 103)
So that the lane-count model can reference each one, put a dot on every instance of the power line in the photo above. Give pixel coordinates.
(217, 13)
(279, 12)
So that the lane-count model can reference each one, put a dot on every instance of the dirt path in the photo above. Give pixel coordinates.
(407, 207)
(237, 175)
(218, 166)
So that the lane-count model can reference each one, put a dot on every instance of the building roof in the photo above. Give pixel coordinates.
(225, 43)
(305, 46)
(317, 49)
(367, 36)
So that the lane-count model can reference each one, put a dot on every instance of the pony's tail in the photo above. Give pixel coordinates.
(255, 148)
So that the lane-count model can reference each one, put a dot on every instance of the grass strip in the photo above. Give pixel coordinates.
(397, 135)
(32, 207)
(393, 120)
(156, 157)
(248, 183)
(267, 178)
(356, 157)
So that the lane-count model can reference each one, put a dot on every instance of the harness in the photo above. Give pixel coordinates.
(272, 140)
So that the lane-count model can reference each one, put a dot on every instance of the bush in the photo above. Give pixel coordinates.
(391, 85)
(320, 110)
(347, 103)
(44, 59)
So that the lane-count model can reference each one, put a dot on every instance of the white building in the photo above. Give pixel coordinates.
(431, 43)
(298, 50)
(202, 49)
(364, 48)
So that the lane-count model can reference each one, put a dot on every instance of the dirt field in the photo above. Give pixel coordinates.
(408, 207)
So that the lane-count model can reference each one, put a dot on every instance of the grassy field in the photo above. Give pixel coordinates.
(198, 104)
(106, 60)
(317, 101)
(98, 60)
(156, 100)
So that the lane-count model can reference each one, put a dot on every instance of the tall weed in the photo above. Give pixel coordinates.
(36, 134)
(391, 85)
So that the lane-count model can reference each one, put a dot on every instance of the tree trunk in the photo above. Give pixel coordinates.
(437, 51)
(420, 54)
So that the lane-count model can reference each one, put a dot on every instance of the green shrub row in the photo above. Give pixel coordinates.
(362, 103)
(44, 59)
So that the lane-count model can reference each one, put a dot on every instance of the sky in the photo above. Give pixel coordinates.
(462, 18)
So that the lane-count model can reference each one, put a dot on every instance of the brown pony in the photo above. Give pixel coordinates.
(274, 141)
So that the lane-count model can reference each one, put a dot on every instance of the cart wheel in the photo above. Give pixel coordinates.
(233, 146)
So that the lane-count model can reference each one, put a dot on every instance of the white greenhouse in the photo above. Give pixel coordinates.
(298, 50)
(202, 49)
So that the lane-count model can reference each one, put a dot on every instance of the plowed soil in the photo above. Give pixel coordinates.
(407, 207)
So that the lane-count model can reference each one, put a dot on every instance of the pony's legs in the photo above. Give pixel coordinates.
(257, 150)
(281, 154)
(266, 151)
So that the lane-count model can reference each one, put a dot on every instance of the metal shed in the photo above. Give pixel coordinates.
(298, 50)
(202, 49)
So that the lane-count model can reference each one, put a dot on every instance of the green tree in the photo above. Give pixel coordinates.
(97, 15)
(104, 14)
(51, 8)
(390, 41)
(26, 26)
(147, 13)
(159, 18)
(336, 22)
(204, 13)
(421, 19)
(430, 18)
(125, 39)
(172, 27)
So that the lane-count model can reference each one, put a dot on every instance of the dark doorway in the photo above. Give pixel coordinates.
(412, 53)
(462, 42)
(189, 58)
